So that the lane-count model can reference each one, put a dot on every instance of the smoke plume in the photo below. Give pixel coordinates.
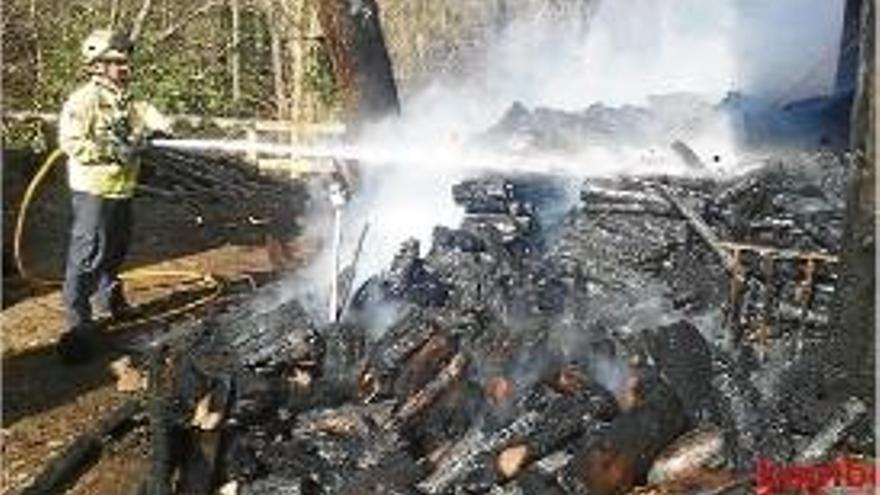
(622, 54)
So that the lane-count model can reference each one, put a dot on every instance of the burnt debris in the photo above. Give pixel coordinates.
(586, 352)
(669, 120)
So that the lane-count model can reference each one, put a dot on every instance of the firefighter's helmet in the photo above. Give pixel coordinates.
(104, 44)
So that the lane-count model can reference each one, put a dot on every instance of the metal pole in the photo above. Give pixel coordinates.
(334, 280)
(337, 199)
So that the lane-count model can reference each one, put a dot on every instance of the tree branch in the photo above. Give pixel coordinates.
(164, 35)
(138, 25)
(114, 13)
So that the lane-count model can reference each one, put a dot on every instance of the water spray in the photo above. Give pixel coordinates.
(426, 154)
(590, 162)
(337, 200)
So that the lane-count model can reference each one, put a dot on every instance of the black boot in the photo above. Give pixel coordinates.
(113, 302)
(78, 346)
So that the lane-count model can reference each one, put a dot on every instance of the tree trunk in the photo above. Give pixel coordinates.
(236, 58)
(38, 50)
(360, 58)
(300, 14)
(857, 306)
(277, 66)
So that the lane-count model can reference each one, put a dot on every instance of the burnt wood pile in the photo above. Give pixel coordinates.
(588, 352)
(206, 183)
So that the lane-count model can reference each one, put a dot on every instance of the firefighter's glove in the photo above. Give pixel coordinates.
(121, 142)
(158, 134)
(126, 150)
(123, 151)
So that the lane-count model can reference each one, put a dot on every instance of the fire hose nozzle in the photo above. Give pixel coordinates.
(338, 195)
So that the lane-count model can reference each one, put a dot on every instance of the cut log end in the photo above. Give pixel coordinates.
(511, 460)
(606, 472)
(499, 389)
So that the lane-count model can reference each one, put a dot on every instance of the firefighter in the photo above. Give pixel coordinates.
(102, 131)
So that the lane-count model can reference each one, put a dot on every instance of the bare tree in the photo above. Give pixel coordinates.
(299, 14)
(276, 43)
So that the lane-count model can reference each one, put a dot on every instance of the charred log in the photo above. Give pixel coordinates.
(409, 357)
(472, 456)
(447, 420)
(63, 471)
(163, 428)
(345, 348)
(482, 459)
(201, 449)
(425, 396)
(396, 474)
(616, 457)
(684, 358)
(532, 482)
(832, 433)
(754, 428)
(486, 196)
(699, 449)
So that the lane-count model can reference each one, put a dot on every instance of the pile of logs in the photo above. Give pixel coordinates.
(603, 349)
(662, 335)
(202, 181)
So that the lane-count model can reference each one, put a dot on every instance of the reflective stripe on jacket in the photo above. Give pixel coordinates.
(90, 118)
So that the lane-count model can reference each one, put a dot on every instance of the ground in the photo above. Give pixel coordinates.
(46, 404)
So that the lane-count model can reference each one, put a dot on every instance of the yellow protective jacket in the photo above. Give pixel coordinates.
(92, 118)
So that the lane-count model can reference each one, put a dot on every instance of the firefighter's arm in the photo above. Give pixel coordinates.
(77, 133)
(153, 122)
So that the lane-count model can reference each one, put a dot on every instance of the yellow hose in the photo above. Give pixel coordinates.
(138, 274)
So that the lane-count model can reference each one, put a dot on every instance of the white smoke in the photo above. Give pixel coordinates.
(632, 49)
(628, 51)
(787, 49)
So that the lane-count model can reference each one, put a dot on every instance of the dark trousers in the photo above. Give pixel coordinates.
(98, 244)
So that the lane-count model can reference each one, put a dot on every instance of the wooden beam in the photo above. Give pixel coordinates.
(779, 253)
(703, 230)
